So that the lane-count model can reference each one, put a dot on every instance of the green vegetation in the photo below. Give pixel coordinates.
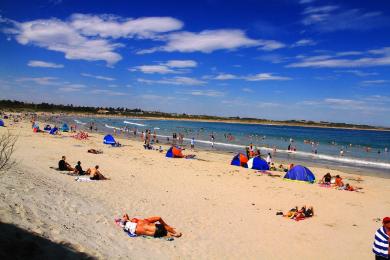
(18, 106)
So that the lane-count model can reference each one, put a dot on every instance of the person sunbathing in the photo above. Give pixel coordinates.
(149, 227)
(78, 169)
(94, 151)
(95, 173)
(326, 179)
(63, 165)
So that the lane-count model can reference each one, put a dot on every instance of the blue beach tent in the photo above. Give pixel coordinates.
(1, 122)
(53, 131)
(258, 164)
(300, 173)
(65, 128)
(240, 160)
(109, 139)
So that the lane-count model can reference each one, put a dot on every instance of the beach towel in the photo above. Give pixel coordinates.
(323, 185)
(83, 179)
(70, 173)
(119, 223)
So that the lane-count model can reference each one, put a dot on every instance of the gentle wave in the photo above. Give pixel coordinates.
(132, 123)
(113, 127)
(157, 128)
(79, 122)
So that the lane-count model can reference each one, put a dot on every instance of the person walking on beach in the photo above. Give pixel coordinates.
(381, 241)
(192, 143)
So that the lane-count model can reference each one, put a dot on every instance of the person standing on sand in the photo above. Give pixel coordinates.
(381, 241)
(192, 143)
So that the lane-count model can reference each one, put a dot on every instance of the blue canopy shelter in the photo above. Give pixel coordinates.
(1, 122)
(258, 164)
(300, 173)
(240, 160)
(109, 139)
(65, 128)
(53, 131)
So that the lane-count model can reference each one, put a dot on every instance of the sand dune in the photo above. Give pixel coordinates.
(223, 211)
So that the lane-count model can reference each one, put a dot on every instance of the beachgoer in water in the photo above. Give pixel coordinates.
(95, 173)
(64, 166)
(149, 227)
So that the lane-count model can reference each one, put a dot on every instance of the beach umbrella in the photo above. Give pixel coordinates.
(300, 173)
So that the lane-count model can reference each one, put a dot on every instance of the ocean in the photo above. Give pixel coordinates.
(362, 149)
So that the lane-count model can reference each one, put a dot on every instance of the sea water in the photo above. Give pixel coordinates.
(361, 148)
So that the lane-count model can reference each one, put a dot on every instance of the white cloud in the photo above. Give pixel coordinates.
(378, 57)
(85, 37)
(211, 40)
(265, 76)
(117, 27)
(207, 93)
(97, 77)
(370, 104)
(224, 76)
(375, 82)
(181, 63)
(166, 68)
(349, 53)
(45, 81)
(150, 69)
(174, 81)
(304, 42)
(44, 64)
(359, 73)
(107, 92)
(72, 88)
(331, 18)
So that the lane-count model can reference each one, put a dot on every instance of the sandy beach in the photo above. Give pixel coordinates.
(223, 211)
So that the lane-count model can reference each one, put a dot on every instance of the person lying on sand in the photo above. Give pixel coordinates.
(95, 173)
(149, 227)
(94, 151)
(64, 166)
(78, 169)
(303, 213)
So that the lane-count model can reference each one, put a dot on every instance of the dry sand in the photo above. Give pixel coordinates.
(223, 211)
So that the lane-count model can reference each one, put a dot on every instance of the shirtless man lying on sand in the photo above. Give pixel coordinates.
(148, 227)
(95, 173)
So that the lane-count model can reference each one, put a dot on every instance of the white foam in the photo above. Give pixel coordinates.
(113, 127)
(79, 122)
(132, 123)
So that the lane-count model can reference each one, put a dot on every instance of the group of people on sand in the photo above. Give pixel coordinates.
(337, 182)
(93, 172)
(298, 214)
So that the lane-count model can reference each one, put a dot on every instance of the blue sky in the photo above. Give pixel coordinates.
(282, 59)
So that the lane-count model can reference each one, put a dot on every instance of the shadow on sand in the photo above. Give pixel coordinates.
(17, 243)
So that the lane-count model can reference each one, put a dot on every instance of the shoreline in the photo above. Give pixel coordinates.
(380, 129)
(281, 156)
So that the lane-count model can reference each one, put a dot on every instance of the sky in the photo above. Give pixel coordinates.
(281, 59)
